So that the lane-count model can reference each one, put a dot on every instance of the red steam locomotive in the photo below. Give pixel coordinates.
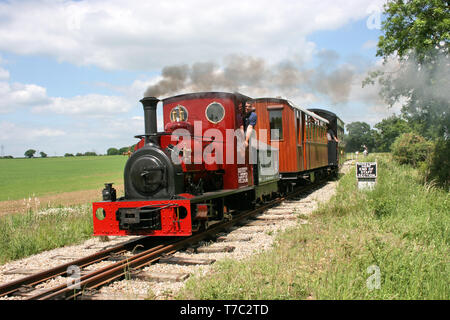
(198, 170)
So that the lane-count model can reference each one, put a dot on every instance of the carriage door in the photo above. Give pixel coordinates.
(299, 140)
(305, 164)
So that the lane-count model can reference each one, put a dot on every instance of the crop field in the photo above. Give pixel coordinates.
(24, 178)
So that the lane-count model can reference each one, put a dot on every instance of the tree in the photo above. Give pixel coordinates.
(90, 153)
(416, 36)
(388, 130)
(68, 155)
(30, 153)
(124, 150)
(359, 134)
(112, 152)
(419, 27)
(43, 154)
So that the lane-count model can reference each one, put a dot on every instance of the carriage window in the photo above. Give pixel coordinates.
(179, 113)
(308, 128)
(215, 112)
(276, 124)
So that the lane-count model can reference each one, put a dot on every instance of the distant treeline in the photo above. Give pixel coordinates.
(110, 152)
(30, 153)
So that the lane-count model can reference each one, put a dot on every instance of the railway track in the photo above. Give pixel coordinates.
(26, 287)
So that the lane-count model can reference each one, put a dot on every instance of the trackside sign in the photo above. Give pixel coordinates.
(366, 174)
(366, 170)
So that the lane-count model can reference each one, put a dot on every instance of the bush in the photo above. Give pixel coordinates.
(437, 166)
(411, 148)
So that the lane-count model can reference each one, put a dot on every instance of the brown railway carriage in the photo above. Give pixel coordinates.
(335, 150)
(299, 134)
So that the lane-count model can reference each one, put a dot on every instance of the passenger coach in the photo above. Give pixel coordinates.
(300, 135)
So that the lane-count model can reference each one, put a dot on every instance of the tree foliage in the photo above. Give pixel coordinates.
(359, 134)
(112, 152)
(90, 153)
(30, 153)
(416, 41)
(388, 130)
(416, 74)
(419, 27)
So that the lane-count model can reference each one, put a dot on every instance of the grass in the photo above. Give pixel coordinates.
(397, 234)
(25, 234)
(21, 178)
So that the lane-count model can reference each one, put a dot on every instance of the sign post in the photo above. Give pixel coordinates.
(366, 174)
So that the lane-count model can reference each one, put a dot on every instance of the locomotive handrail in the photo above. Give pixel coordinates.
(141, 136)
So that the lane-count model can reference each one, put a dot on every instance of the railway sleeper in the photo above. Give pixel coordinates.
(160, 276)
(186, 261)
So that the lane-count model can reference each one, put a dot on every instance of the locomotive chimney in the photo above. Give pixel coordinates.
(150, 104)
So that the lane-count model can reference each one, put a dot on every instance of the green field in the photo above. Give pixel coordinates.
(22, 178)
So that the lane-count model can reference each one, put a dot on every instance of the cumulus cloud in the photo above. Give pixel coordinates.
(144, 35)
(258, 49)
(18, 95)
(90, 105)
(20, 133)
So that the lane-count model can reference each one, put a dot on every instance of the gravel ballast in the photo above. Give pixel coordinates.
(246, 240)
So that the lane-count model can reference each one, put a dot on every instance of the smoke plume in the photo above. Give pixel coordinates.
(255, 77)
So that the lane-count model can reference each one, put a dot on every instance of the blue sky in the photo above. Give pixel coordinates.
(72, 72)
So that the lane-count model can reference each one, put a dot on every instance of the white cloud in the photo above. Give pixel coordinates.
(18, 95)
(10, 132)
(90, 105)
(370, 44)
(145, 35)
(4, 74)
(46, 132)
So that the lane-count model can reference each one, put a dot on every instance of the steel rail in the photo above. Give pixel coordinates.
(45, 275)
(122, 268)
(107, 274)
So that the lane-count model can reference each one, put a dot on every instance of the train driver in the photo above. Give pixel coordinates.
(330, 134)
(249, 122)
